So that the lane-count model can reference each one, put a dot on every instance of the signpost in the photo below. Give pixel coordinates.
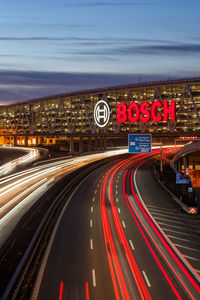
(139, 143)
(180, 180)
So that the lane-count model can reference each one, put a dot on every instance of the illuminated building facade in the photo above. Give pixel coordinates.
(68, 118)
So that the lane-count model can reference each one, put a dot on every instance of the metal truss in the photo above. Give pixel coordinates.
(72, 113)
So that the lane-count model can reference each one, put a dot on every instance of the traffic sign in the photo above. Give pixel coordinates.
(193, 210)
(139, 143)
(180, 180)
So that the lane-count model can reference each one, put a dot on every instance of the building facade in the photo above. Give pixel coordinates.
(62, 118)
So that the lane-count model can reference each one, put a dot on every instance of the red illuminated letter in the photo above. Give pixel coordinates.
(144, 112)
(131, 117)
(121, 113)
(154, 115)
(169, 110)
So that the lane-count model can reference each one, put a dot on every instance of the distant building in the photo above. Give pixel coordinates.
(61, 118)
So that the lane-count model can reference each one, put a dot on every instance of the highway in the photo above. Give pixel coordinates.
(106, 245)
(18, 192)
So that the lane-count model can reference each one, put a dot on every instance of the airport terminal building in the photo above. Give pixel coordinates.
(166, 109)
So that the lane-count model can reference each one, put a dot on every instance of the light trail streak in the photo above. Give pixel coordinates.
(169, 250)
(25, 200)
(21, 195)
(12, 186)
(143, 291)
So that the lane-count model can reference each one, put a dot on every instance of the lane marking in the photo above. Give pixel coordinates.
(181, 246)
(50, 243)
(131, 243)
(93, 199)
(95, 191)
(91, 244)
(94, 278)
(90, 223)
(146, 278)
(116, 192)
(91, 209)
(177, 238)
(116, 186)
(161, 208)
(168, 220)
(178, 232)
(155, 210)
(192, 258)
(118, 210)
(161, 214)
(117, 199)
(123, 224)
(170, 225)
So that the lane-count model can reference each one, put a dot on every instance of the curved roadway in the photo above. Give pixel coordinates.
(106, 245)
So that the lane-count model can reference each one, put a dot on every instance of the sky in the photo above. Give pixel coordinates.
(49, 47)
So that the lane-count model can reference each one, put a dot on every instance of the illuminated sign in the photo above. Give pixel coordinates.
(139, 143)
(157, 111)
(101, 113)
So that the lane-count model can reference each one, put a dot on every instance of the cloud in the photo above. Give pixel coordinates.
(113, 3)
(85, 39)
(164, 49)
(17, 86)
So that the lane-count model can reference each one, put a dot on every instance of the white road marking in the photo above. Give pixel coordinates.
(168, 220)
(93, 199)
(94, 278)
(90, 223)
(178, 232)
(123, 224)
(131, 243)
(171, 225)
(118, 210)
(95, 191)
(161, 214)
(117, 199)
(116, 186)
(116, 192)
(154, 210)
(192, 258)
(161, 208)
(178, 238)
(181, 246)
(91, 209)
(91, 244)
(146, 278)
(117, 180)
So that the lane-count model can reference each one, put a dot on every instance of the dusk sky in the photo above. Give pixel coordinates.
(54, 46)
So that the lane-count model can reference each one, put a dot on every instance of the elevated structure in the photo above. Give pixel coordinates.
(68, 118)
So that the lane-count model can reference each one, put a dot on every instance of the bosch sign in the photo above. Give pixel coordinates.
(157, 111)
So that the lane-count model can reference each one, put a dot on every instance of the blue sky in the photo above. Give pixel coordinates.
(55, 46)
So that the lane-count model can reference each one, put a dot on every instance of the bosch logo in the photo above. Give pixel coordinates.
(101, 113)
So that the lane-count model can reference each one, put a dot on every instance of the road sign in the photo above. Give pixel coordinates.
(193, 210)
(180, 180)
(139, 143)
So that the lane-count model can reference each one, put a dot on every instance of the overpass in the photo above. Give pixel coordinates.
(166, 109)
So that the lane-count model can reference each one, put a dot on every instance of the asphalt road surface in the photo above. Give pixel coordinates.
(107, 246)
